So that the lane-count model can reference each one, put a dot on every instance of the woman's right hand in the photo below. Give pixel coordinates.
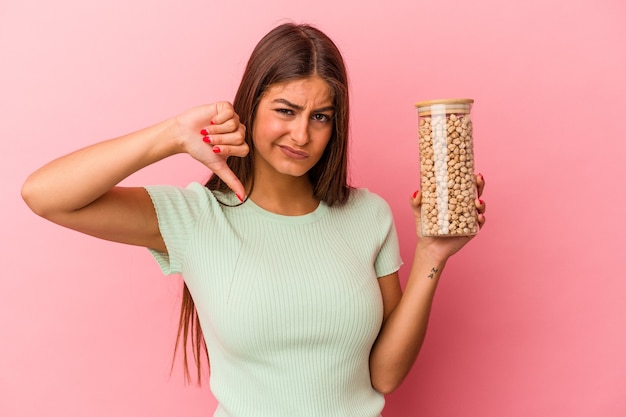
(211, 133)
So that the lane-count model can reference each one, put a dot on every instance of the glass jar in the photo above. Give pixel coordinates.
(447, 168)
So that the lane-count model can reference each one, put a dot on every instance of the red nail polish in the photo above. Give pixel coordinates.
(415, 193)
(203, 132)
(480, 202)
(212, 122)
(207, 139)
(216, 149)
(239, 197)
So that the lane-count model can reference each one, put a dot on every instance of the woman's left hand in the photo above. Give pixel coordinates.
(444, 247)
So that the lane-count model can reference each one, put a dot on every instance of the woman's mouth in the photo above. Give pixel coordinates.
(292, 153)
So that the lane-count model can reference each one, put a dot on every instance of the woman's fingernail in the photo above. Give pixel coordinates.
(207, 139)
(204, 132)
(480, 202)
(216, 149)
(212, 122)
(481, 176)
(239, 197)
(415, 193)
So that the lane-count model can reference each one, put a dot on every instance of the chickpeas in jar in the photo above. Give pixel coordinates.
(447, 168)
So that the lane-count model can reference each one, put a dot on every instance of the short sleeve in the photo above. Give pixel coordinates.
(388, 260)
(178, 211)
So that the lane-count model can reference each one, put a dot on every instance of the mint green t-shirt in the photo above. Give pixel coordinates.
(289, 305)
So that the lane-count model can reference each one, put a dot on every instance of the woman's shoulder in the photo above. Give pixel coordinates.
(365, 196)
(193, 197)
(364, 200)
(191, 190)
(365, 213)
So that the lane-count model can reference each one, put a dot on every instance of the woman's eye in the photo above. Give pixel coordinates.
(321, 117)
(285, 112)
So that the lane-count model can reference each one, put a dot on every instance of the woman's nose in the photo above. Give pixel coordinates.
(300, 131)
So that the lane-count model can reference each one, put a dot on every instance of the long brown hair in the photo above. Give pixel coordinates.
(288, 52)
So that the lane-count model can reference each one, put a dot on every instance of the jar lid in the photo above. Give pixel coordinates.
(444, 106)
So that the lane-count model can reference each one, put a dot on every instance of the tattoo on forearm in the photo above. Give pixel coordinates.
(433, 271)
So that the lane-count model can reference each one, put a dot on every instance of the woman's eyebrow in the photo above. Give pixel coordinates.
(300, 108)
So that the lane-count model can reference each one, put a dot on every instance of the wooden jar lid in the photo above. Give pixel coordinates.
(444, 106)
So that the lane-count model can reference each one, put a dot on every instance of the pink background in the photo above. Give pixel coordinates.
(529, 319)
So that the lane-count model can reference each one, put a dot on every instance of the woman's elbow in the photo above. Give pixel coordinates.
(29, 195)
(386, 385)
(35, 199)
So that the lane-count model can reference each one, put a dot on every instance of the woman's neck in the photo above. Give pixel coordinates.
(283, 194)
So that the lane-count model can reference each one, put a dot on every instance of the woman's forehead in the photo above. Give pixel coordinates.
(302, 92)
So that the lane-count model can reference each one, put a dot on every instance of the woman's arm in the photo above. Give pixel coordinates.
(406, 315)
(79, 190)
(404, 330)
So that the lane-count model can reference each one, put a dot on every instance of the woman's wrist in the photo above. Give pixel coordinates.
(430, 250)
(426, 252)
(166, 139)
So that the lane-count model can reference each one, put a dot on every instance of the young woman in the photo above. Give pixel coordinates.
(291, 275)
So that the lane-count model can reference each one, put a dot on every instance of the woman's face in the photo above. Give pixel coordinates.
(292, 126)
